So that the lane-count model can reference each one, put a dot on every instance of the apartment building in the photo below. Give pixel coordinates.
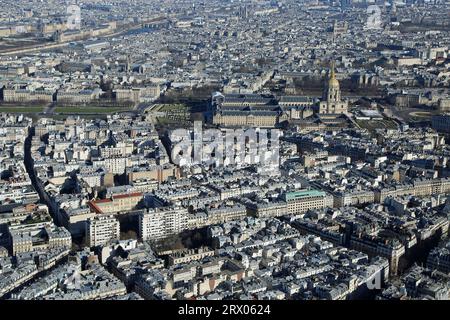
(162, 222)
(304, 200)
(441, 123)
(102, 229)
(38, 236)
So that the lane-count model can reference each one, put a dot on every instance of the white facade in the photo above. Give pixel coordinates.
(102, 229)
(160, 223)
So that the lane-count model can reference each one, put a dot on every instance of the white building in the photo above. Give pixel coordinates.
(162, 222)
(102, 229)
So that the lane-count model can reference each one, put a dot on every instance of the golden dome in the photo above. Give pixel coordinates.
(333, 82)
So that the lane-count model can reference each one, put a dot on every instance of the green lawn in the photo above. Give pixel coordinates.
(164, 120)
(89, 110)
(83, 116)
(372, 125)
(172, 108)
(22, 109)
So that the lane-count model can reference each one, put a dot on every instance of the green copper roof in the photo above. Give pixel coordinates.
(303, 194)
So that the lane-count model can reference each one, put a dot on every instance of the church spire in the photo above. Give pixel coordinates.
(332, 73)
(333, 91)
(333, 82)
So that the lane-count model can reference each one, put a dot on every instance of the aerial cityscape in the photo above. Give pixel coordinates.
(225, 150)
